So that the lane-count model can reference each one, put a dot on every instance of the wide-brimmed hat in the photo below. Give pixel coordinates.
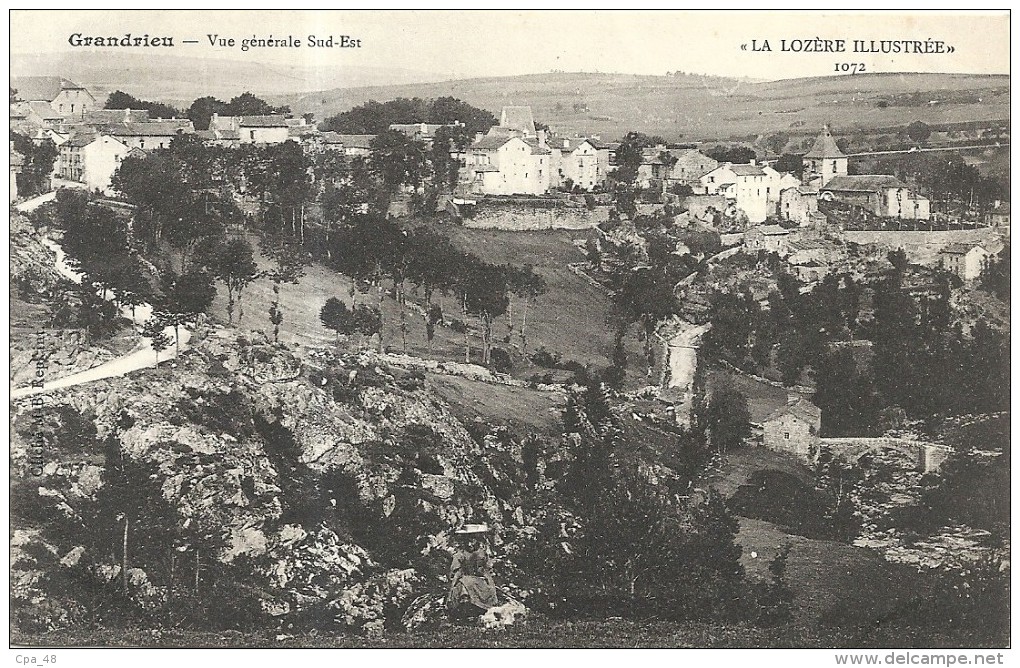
(472, 528)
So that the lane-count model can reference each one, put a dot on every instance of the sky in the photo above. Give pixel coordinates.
(463, 43)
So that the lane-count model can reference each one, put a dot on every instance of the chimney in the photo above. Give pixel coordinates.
(541, 138)
(478, 136)
(566, 143)
(127, 115)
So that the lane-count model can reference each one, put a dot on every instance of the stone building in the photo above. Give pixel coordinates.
(824, 161)
(881, 194)
(794, 428)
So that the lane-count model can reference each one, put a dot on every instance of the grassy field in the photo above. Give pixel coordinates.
(520, 409)
(697, 107)
(535, 633)
(573, 318)
(762, 398)
(831, 579)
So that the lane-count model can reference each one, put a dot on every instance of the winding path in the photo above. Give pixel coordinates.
(142, 356)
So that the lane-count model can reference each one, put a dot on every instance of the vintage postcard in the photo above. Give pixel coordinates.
(507, 328)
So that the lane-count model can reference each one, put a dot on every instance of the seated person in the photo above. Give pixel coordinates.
(472, 591)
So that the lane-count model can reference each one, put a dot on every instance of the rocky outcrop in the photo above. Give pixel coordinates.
(237, 460)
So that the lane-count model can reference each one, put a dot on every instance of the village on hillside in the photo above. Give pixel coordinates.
(284, 364)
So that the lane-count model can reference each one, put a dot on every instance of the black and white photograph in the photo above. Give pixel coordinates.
(509, 328)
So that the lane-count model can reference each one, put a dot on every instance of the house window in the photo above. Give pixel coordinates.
(833, 165)
(786, 435)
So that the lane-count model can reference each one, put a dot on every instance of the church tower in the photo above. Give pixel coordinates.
(824, 160)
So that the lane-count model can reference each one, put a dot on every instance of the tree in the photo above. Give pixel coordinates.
(247, 104)
(738, 155)
(202, 109)
(192, 226)
(359, 319)
(484, 289)
(121, 100)
(525, 283)
(399, 161)
(290, 260)
(791, 163)
(629, 156)
(646, 297)
(375, 117)
(919, 131)
(776, 142)
(846, 396)
(34, 177)
(447, 142)
(792, 356)
(187, 297)
(287, 184)
(996, 277)
(336, 316)
(233, 263)
(728, 419)
(154, 329)
(840, 481)
(97, 316)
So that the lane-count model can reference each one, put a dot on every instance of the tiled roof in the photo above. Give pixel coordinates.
(42, 88)
(357, 141)
(863, 183)
(536, 149)
(959, 248)
(412, 129)
(570, 144)
(79, 141)
(40, 108)
(518, 118)
(746, 170)
(117, 116)
(825, 147)
(490, 142)
(770, 230)
(801, 408)
(153, 129)
(275, 121)
(795, 245)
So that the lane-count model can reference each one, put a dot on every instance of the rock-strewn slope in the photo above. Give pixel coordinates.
(246, 469)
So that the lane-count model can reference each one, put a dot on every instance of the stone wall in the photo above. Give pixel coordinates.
(926, 456)
(922, 247)
(520, 216)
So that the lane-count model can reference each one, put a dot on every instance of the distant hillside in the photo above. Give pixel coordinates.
(695, 107)
(179, 80)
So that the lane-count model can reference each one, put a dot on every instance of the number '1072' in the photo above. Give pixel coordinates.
(852, 68)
